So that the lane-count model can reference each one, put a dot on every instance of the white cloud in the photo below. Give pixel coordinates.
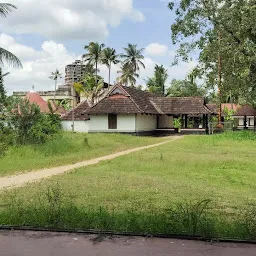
(37, 64)
(156, 49)
(66, 19)
(175, 72)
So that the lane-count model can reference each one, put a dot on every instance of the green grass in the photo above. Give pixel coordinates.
(66, 149)
(158, 190)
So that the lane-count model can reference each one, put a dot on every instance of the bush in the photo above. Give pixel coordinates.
(3, 149)
(238, 135)
(42, 130)
(25, 124)
(7, 135)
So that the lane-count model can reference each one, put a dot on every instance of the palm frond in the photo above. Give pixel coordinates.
(9, 58)
(6, 8)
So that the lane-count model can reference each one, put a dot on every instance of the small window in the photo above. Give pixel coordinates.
(112, 121)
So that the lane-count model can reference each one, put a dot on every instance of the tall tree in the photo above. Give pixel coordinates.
(156, 84)
(90, 88)
(2, 89)
(94, 55)
(128, 75)
(55, 76)
(90, 69)
(185, 88)
(133, 57)
(109, 57)
(6, 56)
(2, 94)
(224, 34)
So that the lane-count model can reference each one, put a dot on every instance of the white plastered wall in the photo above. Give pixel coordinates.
(125, 123)
(146, 122)
(165, 121)
(80, 126)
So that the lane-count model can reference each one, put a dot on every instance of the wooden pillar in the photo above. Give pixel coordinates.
(206, 124)
(182, 121)
(186, 121)
(203, 120)
(245, 122)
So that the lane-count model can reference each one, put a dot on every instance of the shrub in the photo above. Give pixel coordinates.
(238, 135)
(3, 149)
(25, 124)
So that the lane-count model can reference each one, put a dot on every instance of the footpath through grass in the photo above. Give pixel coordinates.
(67, 149)
(200, 185)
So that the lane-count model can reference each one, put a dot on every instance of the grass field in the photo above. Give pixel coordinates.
(66, 149)
(134, 192)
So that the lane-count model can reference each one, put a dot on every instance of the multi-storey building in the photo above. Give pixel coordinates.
(74, 72)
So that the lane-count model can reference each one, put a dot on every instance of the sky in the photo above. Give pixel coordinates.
(47, 35)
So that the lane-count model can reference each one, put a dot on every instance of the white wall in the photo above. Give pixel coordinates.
(80, 126)
(165, 121)
(241, 121)
(146, 122)
(125, 123)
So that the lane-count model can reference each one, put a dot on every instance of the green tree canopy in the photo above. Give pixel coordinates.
(6, 56)
(224, 34)
(55, 76)
(89, 88)
(109, 58)
(156, 84)
(94, 55)
(127, 75)
(133, 57)
(184, 88)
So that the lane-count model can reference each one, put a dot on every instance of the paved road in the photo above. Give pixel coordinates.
(25, 243)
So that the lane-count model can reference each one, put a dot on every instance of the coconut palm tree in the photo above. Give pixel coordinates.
(89, 88)
(109, 57)
(93, 55)
(128, 75)
(90, 69)
(161, 75)
(55, 76)
(133, 57)
(156, 83)
(6, 56)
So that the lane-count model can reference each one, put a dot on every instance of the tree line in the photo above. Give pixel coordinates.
(223, 36)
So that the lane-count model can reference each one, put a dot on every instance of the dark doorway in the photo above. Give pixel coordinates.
(112, 121)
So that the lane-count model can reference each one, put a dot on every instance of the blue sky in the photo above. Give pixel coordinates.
(50, 34)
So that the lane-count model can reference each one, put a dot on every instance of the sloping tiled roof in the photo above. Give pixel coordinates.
(114, 106)
(181, 105)
(58, 109)
(214, 107)
(130, 100)
(245, 110)
(79, 114)
(136, 101)
(142, 99)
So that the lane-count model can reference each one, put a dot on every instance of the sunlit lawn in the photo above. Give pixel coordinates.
(193, 168)
(67, 149)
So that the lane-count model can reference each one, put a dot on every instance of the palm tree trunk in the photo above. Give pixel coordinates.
(96, 73)
(254, 118)
(109, 73)
(55, 89)
(220, 82)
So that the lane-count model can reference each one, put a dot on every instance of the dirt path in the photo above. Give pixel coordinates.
(23, 179)
(25, 243)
